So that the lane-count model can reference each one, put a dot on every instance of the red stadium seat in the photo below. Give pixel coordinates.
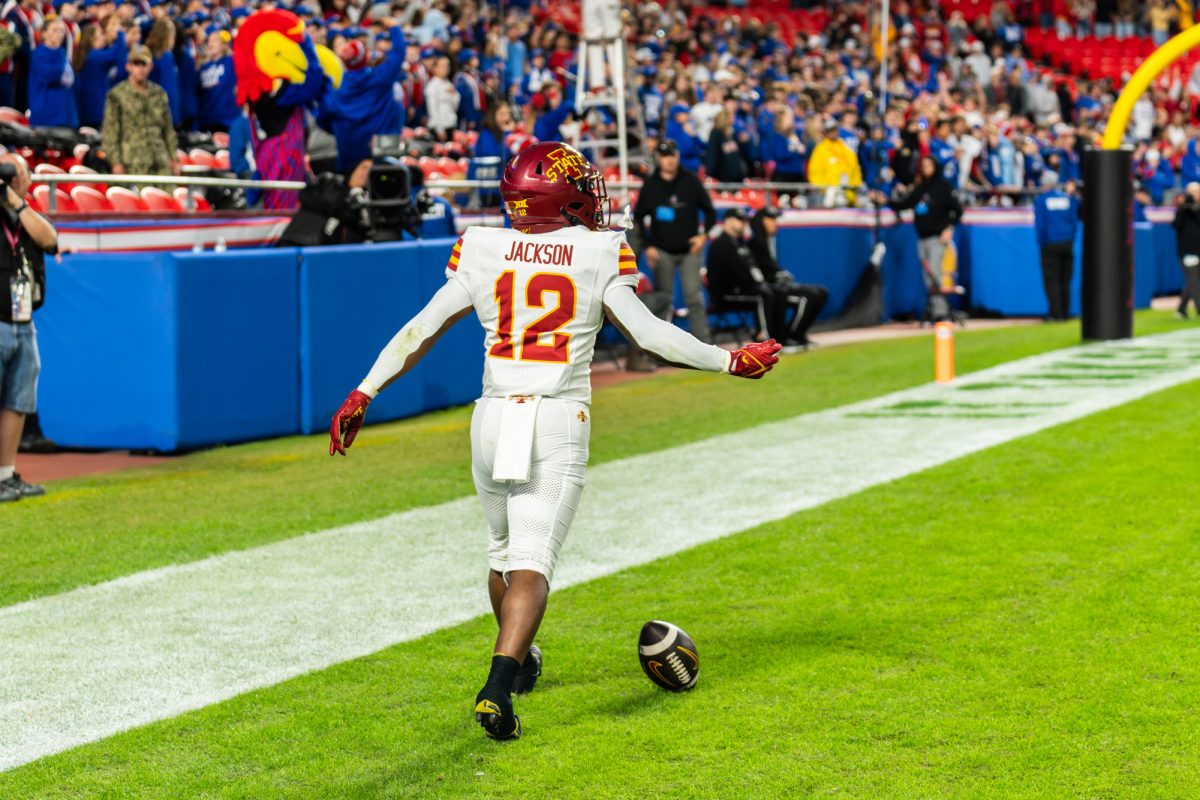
(183, 158)
(221, 139)
(89, 200)
(158, 200)
(51, 169)
(63, 202)
(203, 158)
(222, 159)
(13, 117)
(123, 199)
(80, 169)
(198, 199)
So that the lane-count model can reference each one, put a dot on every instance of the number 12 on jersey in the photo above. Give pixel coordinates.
(530, 345)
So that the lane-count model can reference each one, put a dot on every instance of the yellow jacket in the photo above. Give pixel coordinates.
(831, 161)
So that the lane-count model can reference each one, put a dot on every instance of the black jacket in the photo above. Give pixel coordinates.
(934, 203)
(904, 160)
(674, 209)
(723, 159)
(760, 249)
(731, 267)
(1187, 229)
(12, 258)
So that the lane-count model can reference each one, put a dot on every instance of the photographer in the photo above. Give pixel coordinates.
(379, 202)
(1187, 238)
(28, 236)
(332, 211)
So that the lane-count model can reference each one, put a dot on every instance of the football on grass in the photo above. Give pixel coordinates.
(668, 656)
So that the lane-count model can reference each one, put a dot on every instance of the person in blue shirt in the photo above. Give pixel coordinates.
(490, 153)
(874, 155)
(650, 95)
(783, 146)
(364, 105)
(165, 72)
(241, 154)
(944, 152)
(218, 83)
(1032, 163)
(516, 53)
(95, 61)
(680, 130)
(848, 131)
(539, 73)
(1189, 167)
(1157, 176)
(1056, 221)
(470, 92)
(1010, 33)
(553, 112)
(52, 80)
(437, 221)
(189, 79)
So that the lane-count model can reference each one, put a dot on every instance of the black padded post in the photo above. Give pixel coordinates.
(1107, 281)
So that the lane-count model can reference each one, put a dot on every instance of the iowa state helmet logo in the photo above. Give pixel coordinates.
(566, 162)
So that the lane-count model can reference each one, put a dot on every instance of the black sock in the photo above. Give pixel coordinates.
(504, 671)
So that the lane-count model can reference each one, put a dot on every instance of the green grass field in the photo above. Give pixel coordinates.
(1019, 623)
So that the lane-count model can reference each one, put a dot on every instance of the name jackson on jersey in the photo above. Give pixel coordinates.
(530, 253)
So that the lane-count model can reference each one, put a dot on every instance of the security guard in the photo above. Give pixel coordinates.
(1056, 218)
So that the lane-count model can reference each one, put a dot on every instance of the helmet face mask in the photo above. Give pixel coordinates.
(550, 186)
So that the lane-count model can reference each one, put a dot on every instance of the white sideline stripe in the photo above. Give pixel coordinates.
(86, 664)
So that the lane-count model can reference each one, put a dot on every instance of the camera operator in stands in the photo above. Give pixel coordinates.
(376, 203)
(28, 236)
(332, 210)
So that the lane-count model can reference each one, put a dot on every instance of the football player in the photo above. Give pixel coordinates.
(541, 290)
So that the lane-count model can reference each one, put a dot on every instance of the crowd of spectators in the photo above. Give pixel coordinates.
(741, 95)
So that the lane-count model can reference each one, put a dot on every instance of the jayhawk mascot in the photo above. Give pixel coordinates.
(280, 73)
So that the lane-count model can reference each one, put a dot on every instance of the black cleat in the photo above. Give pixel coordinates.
(528, 674)
(494, 711)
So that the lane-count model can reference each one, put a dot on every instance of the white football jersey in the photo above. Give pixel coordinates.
(540, 298)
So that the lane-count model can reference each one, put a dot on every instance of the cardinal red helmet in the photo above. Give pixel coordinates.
(550, 186)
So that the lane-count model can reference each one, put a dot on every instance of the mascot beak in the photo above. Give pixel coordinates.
(279, 57)
(331, 65)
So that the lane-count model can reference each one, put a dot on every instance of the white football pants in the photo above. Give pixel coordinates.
(528, 520)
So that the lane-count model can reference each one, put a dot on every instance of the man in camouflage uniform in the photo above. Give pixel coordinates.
(139, 134)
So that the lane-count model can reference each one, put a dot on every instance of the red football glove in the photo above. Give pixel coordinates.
(755, 360)
(347, 421)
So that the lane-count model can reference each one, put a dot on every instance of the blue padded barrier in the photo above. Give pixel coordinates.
(353, 299)
(162, 351)
(107, 337)
(238, 320)
(1007, 274)
(1167, 270)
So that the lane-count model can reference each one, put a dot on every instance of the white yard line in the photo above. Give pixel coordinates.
(86, 664)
